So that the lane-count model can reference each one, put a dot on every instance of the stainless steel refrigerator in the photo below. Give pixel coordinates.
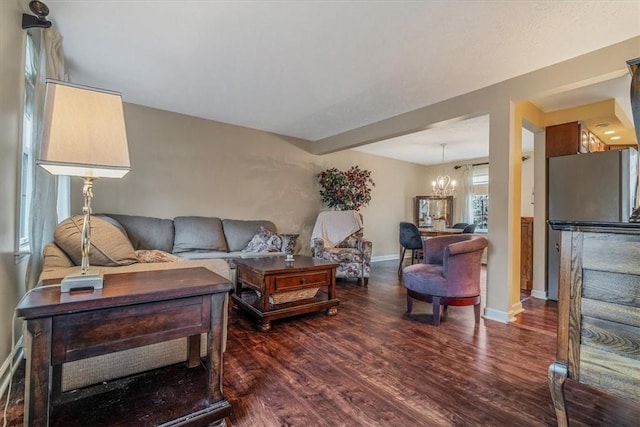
(587, 187)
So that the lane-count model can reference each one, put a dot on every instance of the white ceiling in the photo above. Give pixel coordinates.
(469, 139)
(314, 69)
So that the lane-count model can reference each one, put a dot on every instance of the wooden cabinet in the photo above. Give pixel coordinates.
(571, 138)
(562, 140)
(598, 310)
(132, 310)
(526, 253)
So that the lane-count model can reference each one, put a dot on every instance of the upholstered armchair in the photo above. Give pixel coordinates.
(338, 236)
(449, 275)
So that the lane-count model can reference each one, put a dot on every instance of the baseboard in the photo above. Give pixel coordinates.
(502, 316)
(539, 294)
(516, 309)
(385, 258)
(5, 373)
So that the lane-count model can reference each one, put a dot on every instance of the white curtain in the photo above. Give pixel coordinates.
(44, 194)
(467, 194)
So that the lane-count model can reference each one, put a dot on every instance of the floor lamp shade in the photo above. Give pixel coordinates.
(84, 132)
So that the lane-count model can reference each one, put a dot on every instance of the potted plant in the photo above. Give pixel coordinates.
(346, 190)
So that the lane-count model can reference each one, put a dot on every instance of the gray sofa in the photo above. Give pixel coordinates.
(194, 237)
(126, 243)
(187, 237)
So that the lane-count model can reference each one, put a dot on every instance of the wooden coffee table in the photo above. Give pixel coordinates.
(133, 309)
(269, 288)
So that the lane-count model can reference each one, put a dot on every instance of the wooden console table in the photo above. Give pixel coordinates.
(132, 310)
(598, 310)
(262, 280)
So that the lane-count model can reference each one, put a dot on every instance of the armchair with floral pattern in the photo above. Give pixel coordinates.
(353, 254)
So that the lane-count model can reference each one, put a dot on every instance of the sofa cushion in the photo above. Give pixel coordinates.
(198, 233)
(146, 232)
(264, 241)
(109, 246)
(239, 233)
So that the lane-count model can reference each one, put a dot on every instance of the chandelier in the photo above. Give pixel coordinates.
(443, 186)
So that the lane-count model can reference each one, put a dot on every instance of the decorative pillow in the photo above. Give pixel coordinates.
(109, 246)
(264, 241)
(55, 258)
(240, 232)
(154, 255)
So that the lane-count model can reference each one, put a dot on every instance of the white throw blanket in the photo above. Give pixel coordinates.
(335, 226)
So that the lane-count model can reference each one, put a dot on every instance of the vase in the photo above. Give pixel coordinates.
(289, 241)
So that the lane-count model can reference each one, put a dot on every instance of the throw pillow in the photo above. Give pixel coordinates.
(264, 241)
(154, 255)
(109, 246)
(240, 232)
(55, 258)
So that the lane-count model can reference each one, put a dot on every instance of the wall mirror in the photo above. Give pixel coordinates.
(430, 209)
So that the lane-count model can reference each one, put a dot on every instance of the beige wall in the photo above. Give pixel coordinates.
(182, 165)
(499, 101)
(11, 274)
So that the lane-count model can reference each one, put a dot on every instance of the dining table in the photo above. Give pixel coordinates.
(431, 232)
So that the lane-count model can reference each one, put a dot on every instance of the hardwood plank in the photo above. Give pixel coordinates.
(611, 252)
(370, 365)
(613, 312)
(611, 372)
(611, 337)
(616, 288)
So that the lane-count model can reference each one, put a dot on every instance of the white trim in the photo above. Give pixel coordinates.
(539, 294)
(385, 258)
(16, 355)
(515, 310)
(503, 316)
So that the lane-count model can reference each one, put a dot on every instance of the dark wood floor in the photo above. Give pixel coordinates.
(371, 365)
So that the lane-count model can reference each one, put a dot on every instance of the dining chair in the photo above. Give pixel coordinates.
(409, 239)
(469, 229)
(459, 225)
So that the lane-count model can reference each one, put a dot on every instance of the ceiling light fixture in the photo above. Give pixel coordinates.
(615, 138)
(610, 132)
(443, 186)
(602, 125)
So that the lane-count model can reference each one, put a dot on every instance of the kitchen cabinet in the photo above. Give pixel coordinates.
(526, 253)
(564, 139)
(571, 138)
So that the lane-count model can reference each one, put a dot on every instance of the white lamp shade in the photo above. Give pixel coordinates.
(84, 132)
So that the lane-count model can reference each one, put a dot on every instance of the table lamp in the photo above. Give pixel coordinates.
(83, 135)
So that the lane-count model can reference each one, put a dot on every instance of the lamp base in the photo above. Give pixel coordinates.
(79, 281)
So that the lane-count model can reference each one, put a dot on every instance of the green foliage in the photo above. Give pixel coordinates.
(348, 190)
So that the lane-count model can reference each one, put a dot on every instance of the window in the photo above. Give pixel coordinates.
(27, 156)
(480, 197)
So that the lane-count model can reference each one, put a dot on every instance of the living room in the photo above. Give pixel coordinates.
(185, 165)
